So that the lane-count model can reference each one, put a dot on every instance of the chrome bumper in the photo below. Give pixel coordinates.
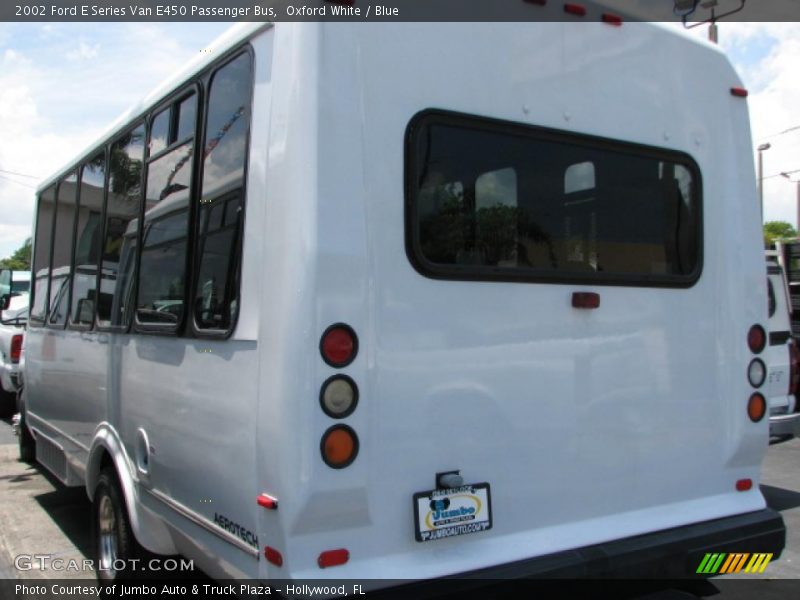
(785, 425)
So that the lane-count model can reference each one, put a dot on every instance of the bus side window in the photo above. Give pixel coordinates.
(222, 196)
(61, 271)
(87, 240)
(162, 271)
(41, 255)
(123, 203)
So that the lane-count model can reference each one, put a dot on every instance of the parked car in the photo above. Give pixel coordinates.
(782, 357)
(12, 329)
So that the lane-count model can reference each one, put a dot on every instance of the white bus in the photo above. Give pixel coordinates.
(404, 301)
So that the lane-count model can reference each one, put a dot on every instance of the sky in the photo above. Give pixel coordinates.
(62, 84)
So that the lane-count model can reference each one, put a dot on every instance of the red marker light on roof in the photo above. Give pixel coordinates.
(612, 19)
(333, 558)
(744, 485)
(739, 92)
(585, 300)
(575, 9)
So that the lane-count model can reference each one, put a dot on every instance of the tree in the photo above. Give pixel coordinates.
(777, 230)
(20, 260)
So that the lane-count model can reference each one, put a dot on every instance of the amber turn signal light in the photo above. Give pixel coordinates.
(756, 407)
(339, 446)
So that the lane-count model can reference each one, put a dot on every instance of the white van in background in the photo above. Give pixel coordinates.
(782, 357)
(413, 300)
(13, 317)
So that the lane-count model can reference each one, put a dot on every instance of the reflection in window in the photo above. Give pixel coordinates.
(41, 255)
(187, 114)
(486, 199)
(222, 194)
(159, 132)
(61, 271)
(87, 240)
(162, 274)
(122, 211)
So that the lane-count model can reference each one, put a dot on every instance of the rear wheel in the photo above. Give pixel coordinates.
(115, 545)
(8, 402)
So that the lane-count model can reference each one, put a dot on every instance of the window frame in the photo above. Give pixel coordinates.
(235, 283)
(72, 325)
(133, 125)
(193, 86)
(432, 270)
(36, 321)
(197, 85)
(75, 170)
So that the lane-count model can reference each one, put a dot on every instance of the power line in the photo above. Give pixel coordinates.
(20, 174)
(772, 135)
(33, 187)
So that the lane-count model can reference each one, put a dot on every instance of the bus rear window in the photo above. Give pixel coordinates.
(491, 200)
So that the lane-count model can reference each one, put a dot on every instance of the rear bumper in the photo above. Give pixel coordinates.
(9, 377)
(785, 425)
(668, 554)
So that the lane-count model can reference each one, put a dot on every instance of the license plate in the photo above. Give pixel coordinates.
(448, 512)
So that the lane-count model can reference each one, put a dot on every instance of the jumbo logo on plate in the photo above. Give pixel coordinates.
(445, 513)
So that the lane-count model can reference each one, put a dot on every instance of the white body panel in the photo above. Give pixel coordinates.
(589, 426)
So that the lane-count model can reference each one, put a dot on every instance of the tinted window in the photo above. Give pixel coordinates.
(186, 119)
(162, 276)
(87, 239)
(41, 253)
(771, 298)
(222, 195)
(159, 132)
(61, 271)
(18, 287)
(492, 200)
(122, 211)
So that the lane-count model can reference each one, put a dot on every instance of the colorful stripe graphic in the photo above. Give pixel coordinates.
(721, 563)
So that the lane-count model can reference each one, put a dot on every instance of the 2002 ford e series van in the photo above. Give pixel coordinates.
(412, 300)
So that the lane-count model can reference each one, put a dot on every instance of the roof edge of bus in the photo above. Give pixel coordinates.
(225, 41)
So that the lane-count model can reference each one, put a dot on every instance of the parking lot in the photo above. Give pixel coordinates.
(39, 516)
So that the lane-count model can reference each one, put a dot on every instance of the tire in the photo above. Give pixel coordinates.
(8, 402)
(27, 443)
(112, 535)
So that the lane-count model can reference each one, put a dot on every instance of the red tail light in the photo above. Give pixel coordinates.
(338, 345)
(16, 348)
(794, 378)
(756, 339)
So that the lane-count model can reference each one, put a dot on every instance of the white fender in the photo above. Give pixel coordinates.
(149, 528)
